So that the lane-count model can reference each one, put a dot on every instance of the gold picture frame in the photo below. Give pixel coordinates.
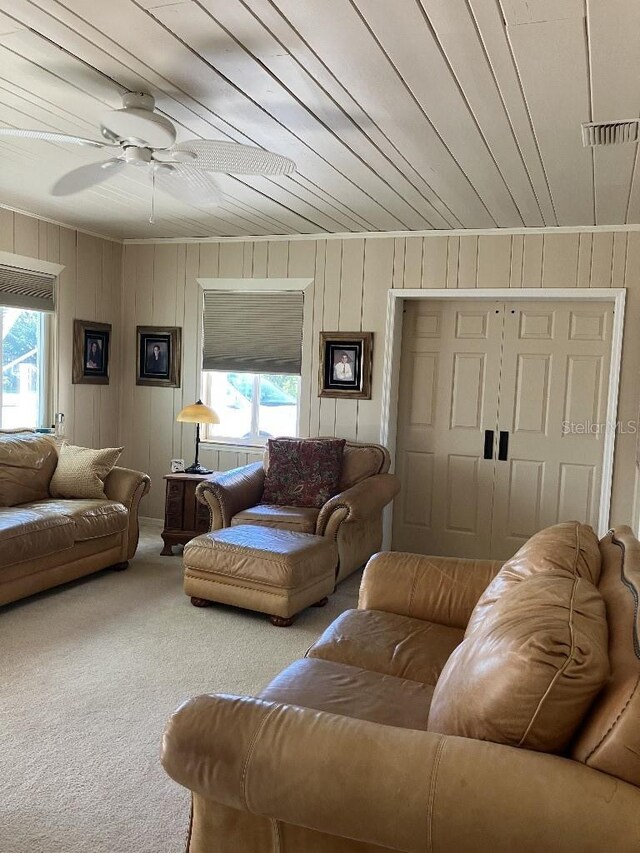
(159, 354)
(91, 352)
(345, 365)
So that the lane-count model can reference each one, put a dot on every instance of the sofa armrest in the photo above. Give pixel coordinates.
(437, 589)
(128, 487)
(229, 493)
(402, 789)
(365, 499)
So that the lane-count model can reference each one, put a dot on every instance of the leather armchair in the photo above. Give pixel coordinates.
(352, 518)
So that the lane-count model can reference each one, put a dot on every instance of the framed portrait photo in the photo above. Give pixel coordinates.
(345, 365)
(159, 350)
(91, 349)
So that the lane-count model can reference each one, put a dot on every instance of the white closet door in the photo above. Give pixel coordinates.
(552, 410)
(449, 380)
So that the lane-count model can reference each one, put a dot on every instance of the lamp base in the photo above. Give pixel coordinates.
(197, 468)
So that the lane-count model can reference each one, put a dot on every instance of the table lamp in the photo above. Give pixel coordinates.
(197, 413)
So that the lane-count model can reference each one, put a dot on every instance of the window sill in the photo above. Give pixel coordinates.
(238, 445)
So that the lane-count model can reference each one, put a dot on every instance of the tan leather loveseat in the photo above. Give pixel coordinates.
(353, 517)
(47, 541)
(351, 750)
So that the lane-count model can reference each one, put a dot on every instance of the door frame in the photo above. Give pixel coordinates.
(393, 344)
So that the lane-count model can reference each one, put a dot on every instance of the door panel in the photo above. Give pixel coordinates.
(448, 397)
(553, 398)
(536, 374)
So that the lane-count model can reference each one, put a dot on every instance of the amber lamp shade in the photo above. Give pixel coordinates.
(198, 413)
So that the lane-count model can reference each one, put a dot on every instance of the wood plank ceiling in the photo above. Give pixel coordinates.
(400, 114)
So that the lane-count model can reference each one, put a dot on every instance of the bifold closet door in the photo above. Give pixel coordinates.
(552, 411)
(448, 402)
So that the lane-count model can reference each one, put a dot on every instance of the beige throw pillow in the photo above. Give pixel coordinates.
(81, 471)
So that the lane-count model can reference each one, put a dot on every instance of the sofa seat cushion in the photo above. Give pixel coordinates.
(528, 673)
(28, 534)
(92, 519)
(351, 691)
(389, 644)
(299, 518)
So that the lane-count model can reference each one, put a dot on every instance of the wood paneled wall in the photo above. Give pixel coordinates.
(351, 279)
(89, 288)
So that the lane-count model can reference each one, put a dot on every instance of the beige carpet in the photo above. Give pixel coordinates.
(89, 672)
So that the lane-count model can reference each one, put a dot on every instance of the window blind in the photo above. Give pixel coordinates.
(20, 288)
(253, 332)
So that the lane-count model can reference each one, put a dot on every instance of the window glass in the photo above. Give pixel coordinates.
(251, 406)
(22, 339)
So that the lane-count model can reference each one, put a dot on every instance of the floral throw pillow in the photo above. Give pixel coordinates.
(302, 472)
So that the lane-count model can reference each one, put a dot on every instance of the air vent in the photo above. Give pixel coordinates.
(610, 132)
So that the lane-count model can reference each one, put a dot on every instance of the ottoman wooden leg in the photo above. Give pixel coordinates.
(281, 621)
(120, 567)
(201, 602)
(321, 603)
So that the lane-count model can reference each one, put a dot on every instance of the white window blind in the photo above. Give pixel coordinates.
(20, 288)
(253, 332)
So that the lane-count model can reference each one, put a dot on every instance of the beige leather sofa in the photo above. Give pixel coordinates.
(46, 541)
(339, 753)
(353, 517)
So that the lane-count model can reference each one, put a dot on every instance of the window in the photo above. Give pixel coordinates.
(251, 363)
(22, 345)
(251, 406)
(26, 303)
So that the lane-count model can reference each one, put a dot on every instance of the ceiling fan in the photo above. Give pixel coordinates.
(147, 140)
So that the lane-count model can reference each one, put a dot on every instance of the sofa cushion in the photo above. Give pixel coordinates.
(302, 472)
(527, 675)
(570, 548)
(91, 518)
(27, 463)
(360, 461)
(609, 739)
(81, 471)
(299, 518)
(387, 643)
(27, 534)
(352, 691)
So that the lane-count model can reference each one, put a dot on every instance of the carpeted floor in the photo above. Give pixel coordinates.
(89, 673)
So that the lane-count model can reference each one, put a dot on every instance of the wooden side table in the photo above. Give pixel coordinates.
(184, 516)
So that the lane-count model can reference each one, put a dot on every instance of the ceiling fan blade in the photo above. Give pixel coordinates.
(232, 158)
(188, 185)
(49, 136)
(87, 176)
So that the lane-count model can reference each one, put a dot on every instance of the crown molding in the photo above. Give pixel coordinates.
(369, 235)
(61, 224)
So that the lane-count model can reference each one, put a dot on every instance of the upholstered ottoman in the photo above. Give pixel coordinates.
(277, 572)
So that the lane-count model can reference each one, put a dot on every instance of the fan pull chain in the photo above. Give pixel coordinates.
(152, 218)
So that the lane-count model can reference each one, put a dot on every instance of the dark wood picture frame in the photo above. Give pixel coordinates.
(91, 352)
(159, 355)
(345, 365)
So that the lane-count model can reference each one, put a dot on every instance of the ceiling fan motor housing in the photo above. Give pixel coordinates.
(137, 123)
